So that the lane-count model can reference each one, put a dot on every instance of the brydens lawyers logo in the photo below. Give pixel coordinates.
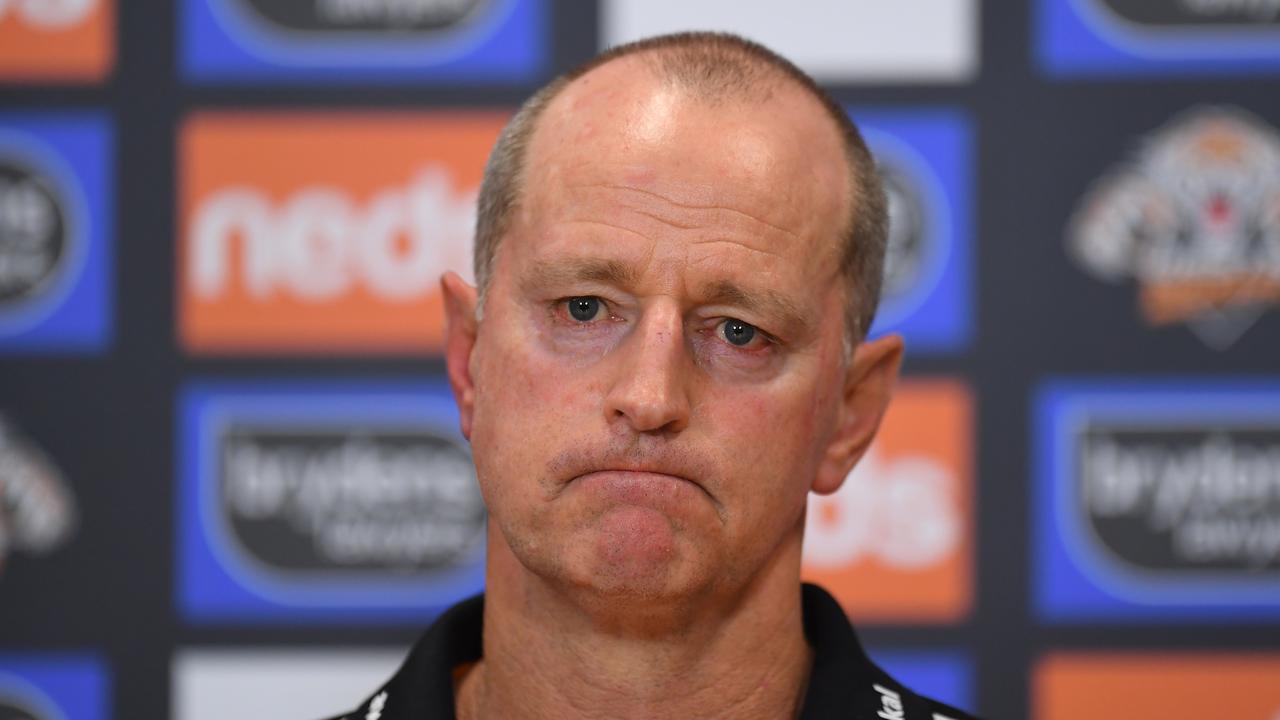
(352, 496)
(37, 510)
(895, 542)
(1110, 37)
(1194, 218)
(327, 500)
(325, 232)
(348, 16)
(1070, 686)
(452, 41)
(56, 39)
(1159, 501)
(1176, 499)
(1195, 13)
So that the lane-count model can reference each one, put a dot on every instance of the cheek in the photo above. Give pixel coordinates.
(770, 423)
(529, 404)
(767, 443)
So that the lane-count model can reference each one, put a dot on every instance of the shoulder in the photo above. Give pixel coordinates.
(845, 682)
(422, 689)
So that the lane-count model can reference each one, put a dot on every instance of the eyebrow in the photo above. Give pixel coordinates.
(766, 302)
(569, 271)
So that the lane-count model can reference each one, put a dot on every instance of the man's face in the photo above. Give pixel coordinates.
(660, 366)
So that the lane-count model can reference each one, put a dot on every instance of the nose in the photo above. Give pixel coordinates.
(649, 390)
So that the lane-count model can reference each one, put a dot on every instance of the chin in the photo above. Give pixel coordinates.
(606, 569)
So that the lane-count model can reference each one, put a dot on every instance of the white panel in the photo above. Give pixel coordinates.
(277, 684)
(833, 40)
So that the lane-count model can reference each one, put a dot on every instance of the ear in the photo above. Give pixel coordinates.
(868, 384)
(459, 341)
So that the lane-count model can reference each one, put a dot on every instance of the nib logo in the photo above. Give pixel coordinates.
(37, 511)
(900, 512)
(893, 543)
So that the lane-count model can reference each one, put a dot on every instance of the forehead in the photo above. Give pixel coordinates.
(771, 159)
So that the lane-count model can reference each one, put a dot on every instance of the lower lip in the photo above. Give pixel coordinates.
(639, 488)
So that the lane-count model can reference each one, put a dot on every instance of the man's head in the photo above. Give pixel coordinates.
(714, 68)
(661, 373)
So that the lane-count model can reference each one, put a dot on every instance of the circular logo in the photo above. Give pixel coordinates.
(904, 253)
(33, 233)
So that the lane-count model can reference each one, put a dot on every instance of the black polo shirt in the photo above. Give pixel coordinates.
(844, 683)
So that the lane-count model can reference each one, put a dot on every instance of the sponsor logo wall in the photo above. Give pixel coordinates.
(1097, 38)
(942, 675)
(56, 232)
(54, 687)
(1194, 219)
(222, 224)
(836, 42)
(217, 683)
(1158, 500)
(37, 509)
(924, 158)
(56, 40)
(895, 542)
(339, 502)
(466, 41)
(1147, 686)
(325, 232)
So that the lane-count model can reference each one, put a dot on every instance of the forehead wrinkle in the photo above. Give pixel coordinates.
(603, 223)
(698, 206)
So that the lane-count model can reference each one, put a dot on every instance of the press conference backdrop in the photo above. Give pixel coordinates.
(231, 480)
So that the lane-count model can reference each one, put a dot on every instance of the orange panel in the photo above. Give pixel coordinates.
(57, 40)
(1157, 687)
(325, 232)
(895, 542)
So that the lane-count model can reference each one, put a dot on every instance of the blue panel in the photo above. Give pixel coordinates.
(1076, 578)
(218, 580)
(504, 41)
(71, 156)
(55, 686)
(945, 676)
(932, 151)
(1084, 38)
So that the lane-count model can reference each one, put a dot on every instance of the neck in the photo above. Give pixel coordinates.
(549, 654)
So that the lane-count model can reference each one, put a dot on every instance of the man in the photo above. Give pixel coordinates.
(678, 254)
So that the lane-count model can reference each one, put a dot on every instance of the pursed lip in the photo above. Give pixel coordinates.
(640, 475)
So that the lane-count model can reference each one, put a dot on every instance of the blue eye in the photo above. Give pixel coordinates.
(738, 332)
(584, 309)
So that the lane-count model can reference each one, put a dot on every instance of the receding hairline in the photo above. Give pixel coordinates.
(711, 68)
